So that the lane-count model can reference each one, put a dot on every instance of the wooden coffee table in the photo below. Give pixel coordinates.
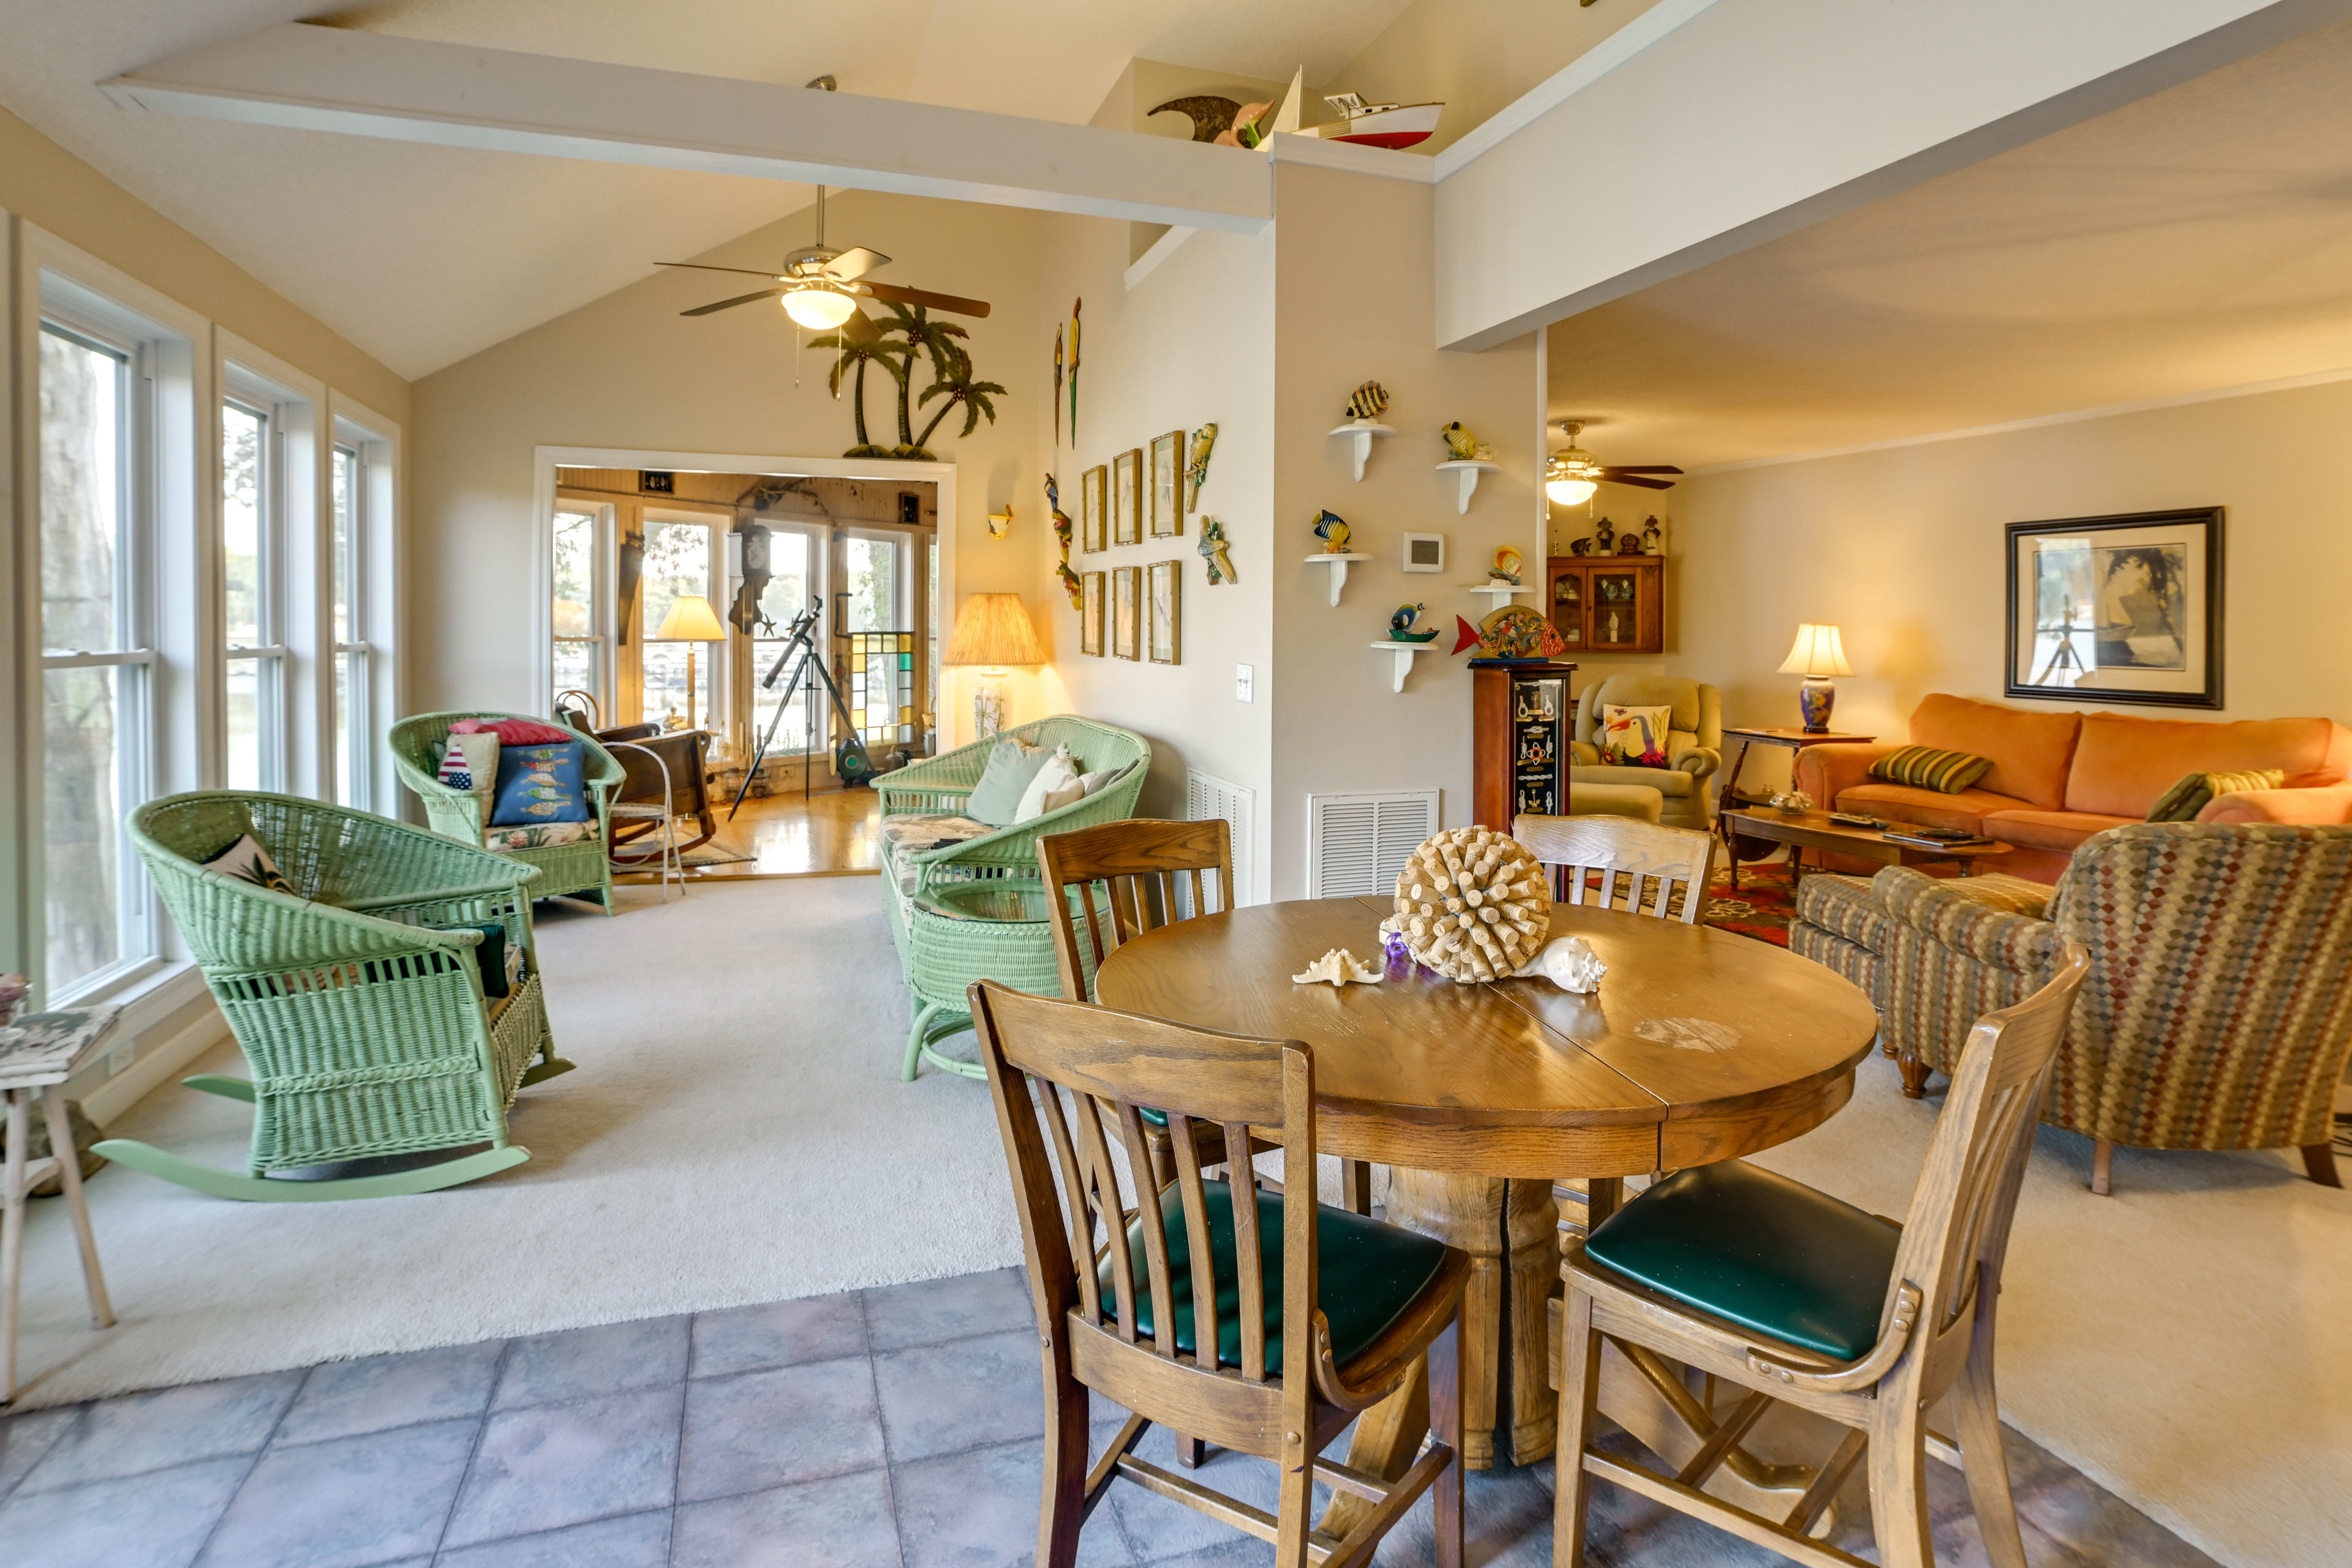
(1814, 830)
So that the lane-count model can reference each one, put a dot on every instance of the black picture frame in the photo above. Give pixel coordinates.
(2149, 630)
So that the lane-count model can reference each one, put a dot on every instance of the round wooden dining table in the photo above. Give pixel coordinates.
(1492, 1102)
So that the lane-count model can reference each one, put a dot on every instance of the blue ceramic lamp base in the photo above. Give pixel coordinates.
(1815, 697)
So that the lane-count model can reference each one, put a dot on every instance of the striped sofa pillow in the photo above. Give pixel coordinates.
(2195, 792)
(1925, 767)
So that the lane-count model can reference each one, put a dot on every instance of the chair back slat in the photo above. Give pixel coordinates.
(1958, 1227)
(1201, 1259)
(1675, 860)
(1073, 1059)
(1139, 866)
(1246, 1245)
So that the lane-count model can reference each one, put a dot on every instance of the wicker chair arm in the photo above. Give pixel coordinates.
(1016, 844)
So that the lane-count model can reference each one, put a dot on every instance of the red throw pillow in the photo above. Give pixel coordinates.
(514, 732)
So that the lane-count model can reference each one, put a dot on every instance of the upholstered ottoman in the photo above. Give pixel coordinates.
(1637, 801)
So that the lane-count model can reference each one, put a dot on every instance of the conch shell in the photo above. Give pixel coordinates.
(1572, 965)
(1339, 967)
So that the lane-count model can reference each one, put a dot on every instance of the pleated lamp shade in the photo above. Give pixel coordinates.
(1819, 651)
(993, 629)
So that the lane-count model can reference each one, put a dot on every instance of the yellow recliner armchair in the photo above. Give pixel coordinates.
(1694, 745)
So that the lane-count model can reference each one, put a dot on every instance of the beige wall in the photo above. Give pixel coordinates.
(1903, 549)
(43, 183)
(628, 371)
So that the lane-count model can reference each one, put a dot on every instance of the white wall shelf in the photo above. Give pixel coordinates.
(1338, 560)
(1467, 469)
(1497, 593)
(1404, 652)
(1360, 433)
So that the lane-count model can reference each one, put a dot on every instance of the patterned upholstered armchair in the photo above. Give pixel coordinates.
(2219, 1010)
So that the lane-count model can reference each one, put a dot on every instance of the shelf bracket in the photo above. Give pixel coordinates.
(1360, 433)
(1404, 652)
(1338, 561)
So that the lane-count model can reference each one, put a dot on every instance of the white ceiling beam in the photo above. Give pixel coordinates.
(305, 77)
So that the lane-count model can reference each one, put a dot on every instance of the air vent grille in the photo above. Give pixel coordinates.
(1357, 843)
(1206, 795)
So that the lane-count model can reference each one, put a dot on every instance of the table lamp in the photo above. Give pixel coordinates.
(1818, 654)
(993, 631)
(690, 621)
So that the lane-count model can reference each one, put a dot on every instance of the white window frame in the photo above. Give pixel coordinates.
(376, 683)
(603, 678)
(714, 705)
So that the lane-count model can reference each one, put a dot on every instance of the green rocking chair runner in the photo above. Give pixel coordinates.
(582, 867)
(372, 1020)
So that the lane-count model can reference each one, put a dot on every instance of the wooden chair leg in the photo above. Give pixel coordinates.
(1295, 1498)
(1064, 1508)
(1355, 1186)
(1446, 1427)
(1897, 1456)
(1190, 1451)
(12, 1232)
(2103, 1166)
(61, 1144)
(1976, 1411)
(2319, 1164)
(1915, 1075)
(1579, 1392)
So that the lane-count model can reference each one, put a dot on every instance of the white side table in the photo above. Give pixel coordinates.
(37, 1055)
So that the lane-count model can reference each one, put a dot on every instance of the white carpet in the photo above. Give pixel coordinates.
(736, 1132)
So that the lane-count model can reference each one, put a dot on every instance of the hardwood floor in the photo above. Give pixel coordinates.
(834, 833)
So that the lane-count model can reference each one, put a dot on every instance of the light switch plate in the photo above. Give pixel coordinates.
(1245, 682)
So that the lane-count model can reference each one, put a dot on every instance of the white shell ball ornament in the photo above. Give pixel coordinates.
(1572, 965)
(1472, 905)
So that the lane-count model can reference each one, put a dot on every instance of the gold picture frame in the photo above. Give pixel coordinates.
(1126, 496)
(1093, 507)
(1090, 613)
(1126, 611)
(1166, 636)
(1166, 513)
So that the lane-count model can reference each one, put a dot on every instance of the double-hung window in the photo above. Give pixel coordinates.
(578, 613)
(354, 784)
(98, 654)
(253, 590)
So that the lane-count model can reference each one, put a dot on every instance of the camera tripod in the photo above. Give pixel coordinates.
(850, 759)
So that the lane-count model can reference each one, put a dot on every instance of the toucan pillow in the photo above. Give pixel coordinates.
(539, 783)
(1635, 737)
(248, 861)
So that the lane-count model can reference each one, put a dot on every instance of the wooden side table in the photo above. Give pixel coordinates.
(1731, 799)
(38, 1054)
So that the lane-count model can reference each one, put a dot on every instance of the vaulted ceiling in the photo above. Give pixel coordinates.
(424, 255)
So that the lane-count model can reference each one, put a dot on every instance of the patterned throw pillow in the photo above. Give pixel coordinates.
(1635, 737)
(248, 861)
(471, 763)
(1925, 767)
(2195, 792)
(539, 783)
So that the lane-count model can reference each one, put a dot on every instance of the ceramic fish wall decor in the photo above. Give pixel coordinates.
(1367, 402)
(1333, 531)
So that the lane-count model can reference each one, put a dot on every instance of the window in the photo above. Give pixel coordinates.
(253, 576)
(354, 785)
(97, 731)
(797, 568)
(678, 563)
(873, 577)
(579, 610)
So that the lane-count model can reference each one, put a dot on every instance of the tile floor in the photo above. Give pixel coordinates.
(888, 1428)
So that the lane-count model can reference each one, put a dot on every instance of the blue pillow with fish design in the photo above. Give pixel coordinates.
(539, 783)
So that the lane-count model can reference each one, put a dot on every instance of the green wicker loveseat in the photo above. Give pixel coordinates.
(922, 812)
(358, 998)
(580, 867)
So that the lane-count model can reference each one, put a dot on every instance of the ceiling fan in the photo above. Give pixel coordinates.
(1573, 473)
(821, 288)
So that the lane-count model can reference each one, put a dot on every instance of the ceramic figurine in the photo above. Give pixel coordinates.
(1460, 445)
(1654, 538)
(1000, 523)
(1212, 550)
(1244, 130)
(1472, 905)
(1333, 531)
(1506, 569)
(1401, 625)
(1514, 631)
(1339, 967)
(1630, 544)
(1366, 402)
(1062, 528)
(1579, 547)
(1196, 471)
(1604, 536)
(1057, 386)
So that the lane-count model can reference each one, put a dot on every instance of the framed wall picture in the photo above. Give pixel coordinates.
(1167, 585)
(2127, 607)
(1093, 506)
(1126, 498)
(1424, 553)
(1126, 611)
(1167, 495)
(1090, 613)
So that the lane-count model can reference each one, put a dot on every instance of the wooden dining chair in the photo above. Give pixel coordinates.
(1263, 1320)
(1773, 1286)
(1644, 854)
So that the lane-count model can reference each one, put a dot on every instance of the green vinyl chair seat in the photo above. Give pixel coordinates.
(1759, 1250)
(1371, 1271)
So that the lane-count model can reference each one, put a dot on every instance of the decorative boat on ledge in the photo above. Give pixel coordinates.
(1379, 125)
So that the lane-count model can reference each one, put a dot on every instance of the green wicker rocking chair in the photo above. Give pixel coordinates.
(358, 998)
(582, 867)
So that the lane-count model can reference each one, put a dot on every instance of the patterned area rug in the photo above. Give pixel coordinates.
(1761, 909)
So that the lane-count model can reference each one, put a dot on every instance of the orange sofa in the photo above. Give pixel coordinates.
(2058, 777)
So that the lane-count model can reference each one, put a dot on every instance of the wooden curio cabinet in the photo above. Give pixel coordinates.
(1608, 603)
(1519, 712)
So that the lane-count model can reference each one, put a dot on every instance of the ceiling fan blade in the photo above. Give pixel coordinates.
(894, 294)
(855, 262)
(730, 305)
(859, 329)
(1644, 469)
(706, 267)
(1611, 477)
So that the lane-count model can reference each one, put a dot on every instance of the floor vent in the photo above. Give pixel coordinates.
(1358, 843)
(1206, 795)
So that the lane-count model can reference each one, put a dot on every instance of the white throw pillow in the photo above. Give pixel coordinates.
(1060, 773)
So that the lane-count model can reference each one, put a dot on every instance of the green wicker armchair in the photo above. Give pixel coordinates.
(583, 866)
(922, 808)
(357, 998)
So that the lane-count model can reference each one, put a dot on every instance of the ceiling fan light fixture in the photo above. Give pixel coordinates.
(820, 309)
(1570, 492)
